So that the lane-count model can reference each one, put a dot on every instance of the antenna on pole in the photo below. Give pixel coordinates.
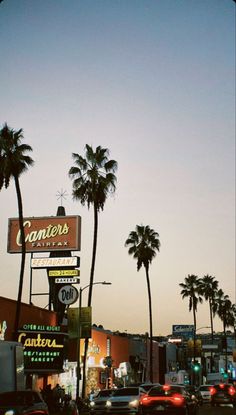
(61, 195)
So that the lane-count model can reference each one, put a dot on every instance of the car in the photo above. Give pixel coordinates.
(125, 400)
(26, 402)
(168, 399)
(205, 392)
(98, 402)
(223, 393)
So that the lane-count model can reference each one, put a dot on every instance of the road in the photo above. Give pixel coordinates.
(220, 410)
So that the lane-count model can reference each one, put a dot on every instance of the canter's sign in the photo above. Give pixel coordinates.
(45, 234)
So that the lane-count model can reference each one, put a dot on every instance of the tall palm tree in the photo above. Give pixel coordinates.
(14, 162)
(94, 179)
(225, 310)
(208, 287)
(143, 244)
(190, 289)
(222, 307)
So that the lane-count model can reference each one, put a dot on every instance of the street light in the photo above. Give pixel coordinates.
(79, 332)
(204, 327)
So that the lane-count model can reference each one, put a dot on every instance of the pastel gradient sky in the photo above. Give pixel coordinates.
(153, 81)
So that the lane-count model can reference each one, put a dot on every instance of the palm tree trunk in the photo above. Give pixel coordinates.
(194, 334)
(212, 333)
(150, 323)
(86, 341)
(95, 234)
(23, 252)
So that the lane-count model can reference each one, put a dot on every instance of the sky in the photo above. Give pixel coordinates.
(154, 82)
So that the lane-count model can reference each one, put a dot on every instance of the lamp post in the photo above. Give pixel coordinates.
(79, 332)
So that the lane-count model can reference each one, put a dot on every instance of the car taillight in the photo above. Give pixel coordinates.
(37, 412)
(212, 391)
(166, 387)
(177, 399)
(222, 385)
(145, 400)
(231, 390)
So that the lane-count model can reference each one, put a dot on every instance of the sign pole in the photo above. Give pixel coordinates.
(78, 346)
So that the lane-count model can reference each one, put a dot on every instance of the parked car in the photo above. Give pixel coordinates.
(168, 399)
(26, 402)
(205, 392)
(125, 400)
(98, 403)
(223, 393)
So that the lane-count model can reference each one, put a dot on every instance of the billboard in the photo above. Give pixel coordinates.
(183, 330)
(45, 234)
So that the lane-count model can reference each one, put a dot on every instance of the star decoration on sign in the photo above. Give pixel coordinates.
(61, 195)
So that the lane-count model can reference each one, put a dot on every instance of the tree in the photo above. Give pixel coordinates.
(225, 310)
(190, 289)
(13, 162)
(208, 287)
(143, 244)
(94, 179)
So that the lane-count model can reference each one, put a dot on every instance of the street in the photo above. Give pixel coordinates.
(220, 410)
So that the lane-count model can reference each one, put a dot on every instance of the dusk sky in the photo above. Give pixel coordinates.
(154, 82)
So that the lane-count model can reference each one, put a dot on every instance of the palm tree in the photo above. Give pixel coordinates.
(143, 244)
(208, 287)
(225, 310)
(190, 289)
(14, 162)
(94, 179)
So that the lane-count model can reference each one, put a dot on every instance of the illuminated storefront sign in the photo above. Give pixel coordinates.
(43, 351)
(46, 234)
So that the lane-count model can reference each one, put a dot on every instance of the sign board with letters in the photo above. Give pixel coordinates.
(45, 234)
(183, 330)
(43, 351)
(68, 294)
(55, 262)
(64, 273)
(67, 280)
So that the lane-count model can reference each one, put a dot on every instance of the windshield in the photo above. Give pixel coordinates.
(104, 393)
(126, 391)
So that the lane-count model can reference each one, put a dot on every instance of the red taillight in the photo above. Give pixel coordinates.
(145, 400)
(221, 385)
(38, 412)
(231, 390)
(212, 391)
(166, 387)
(177, 399)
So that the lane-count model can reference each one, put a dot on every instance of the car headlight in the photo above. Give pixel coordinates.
(108, 404)
(9, 412)
(92, 403)
(134, 403)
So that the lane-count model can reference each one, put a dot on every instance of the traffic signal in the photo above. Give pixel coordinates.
(196, 367)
